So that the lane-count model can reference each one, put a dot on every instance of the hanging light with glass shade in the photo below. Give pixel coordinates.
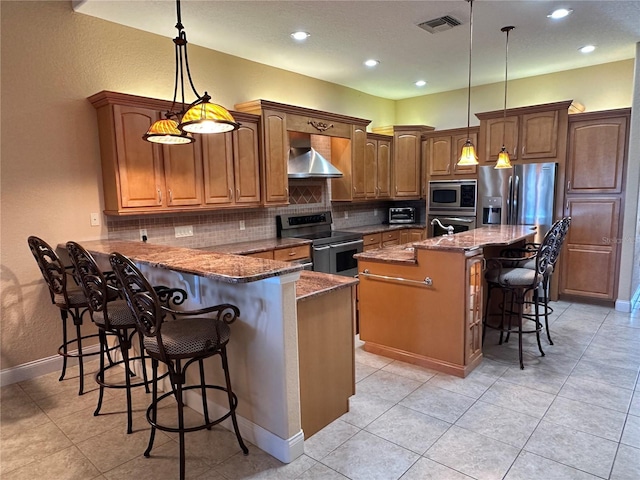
(201, 116)
(468, 156)
(503, 157)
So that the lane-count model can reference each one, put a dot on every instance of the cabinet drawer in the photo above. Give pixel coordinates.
(292, 253)
(366, 248)
(372, 239)
(268, 255)
(390, 236)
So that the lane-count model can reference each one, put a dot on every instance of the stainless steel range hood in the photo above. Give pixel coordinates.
(305, 162)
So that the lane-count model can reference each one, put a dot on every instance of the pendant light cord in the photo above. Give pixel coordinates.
(470, 49)
(506, 69)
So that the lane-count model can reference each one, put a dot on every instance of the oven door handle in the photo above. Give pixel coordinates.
(318, 249)
(457, 219)
(346, 244)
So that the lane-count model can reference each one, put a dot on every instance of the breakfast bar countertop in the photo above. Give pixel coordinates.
(312, 284)
(218, 266)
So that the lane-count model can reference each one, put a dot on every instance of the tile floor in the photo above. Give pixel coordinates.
(573, 414)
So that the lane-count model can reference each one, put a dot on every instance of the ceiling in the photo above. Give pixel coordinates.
(345, 33)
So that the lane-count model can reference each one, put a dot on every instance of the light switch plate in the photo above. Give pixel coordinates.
(184, 231)
(95, 219)
(242, 225)
(346, 214)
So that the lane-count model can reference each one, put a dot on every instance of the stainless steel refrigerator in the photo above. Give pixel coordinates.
(522, 195)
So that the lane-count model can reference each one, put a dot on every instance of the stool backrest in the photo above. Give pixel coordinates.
(92, 280)
(562, 227)
(546, 250)
(52, 269)
(141, 298)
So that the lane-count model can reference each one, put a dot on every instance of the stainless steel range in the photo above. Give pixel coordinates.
(333, 250)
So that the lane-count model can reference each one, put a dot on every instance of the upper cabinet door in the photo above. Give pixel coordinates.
(458, 142)
(597, 150)
(246, 164)
(358, 147)
(406, 168)
(439, 156)
(383, 172)
(139, 162)
(494, 130)
(370, 169)
(539, 135)
(183, 174)
(276, 156)
(217, 155)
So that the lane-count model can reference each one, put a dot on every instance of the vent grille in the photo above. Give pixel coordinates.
(440, 24)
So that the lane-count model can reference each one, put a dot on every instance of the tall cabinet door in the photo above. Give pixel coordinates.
(370, 169)
(139, 162)
(183, 174)
(217, 154)
(596, 155)
(591, 248)
(406, 168)
(276, 155)
(358, 148)
(246, 164)
(383, 169)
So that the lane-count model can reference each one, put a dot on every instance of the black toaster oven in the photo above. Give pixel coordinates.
(402, 215)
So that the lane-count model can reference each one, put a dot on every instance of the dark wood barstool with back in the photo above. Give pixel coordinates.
(178, 343)
(68, 296)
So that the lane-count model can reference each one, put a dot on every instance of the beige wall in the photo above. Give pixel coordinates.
(53, 59)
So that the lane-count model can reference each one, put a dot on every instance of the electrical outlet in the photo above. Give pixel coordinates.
(375, 212)
(143, 234)
(95, 219)
(241, 224)
(346, 214)
(184, 231)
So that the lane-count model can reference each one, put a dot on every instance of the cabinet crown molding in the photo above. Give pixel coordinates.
(545, 107)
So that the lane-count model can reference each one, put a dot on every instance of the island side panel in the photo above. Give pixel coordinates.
(425, 323)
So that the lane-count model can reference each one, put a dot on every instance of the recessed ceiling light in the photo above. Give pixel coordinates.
(587, 48)
(371, 62)
(300, 35)
(560, 13)
(420, 83)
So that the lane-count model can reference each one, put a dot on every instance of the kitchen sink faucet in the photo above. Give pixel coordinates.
(448, 228)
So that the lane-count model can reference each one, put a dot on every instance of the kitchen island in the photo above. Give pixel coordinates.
(264, 348)
(422, 303)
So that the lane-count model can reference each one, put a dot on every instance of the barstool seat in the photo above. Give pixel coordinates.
(189, 336)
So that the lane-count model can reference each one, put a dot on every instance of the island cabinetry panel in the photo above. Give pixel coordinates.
(326, 356)
(435, 324)
(232, 165)
(442, 151)
(377, 169)
(407, 161)
(531, 134)
(412, 235)
(594, 198)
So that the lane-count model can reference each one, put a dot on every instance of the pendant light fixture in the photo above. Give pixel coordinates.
(201, 116)
(503, 157)
(468, 156)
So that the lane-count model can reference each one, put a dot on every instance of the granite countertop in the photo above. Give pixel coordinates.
(380, 227)
(464, 241)
(218, 266)
(312, 284)
(257, 246)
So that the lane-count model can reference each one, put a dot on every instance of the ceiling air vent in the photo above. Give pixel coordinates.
(440, 24)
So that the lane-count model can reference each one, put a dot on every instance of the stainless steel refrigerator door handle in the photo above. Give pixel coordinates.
(516, 194)
(509, 200)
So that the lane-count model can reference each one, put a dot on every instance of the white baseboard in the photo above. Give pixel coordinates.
(627, 306)
(285, 450)
(40, 367)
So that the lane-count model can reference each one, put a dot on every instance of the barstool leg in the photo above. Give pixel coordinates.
(154, 407)
(536, 303)
(546, 310)
(205, 407)
(225, 367)
(63, 316)
(125, 344)
(178, 393)
(144, 364)
(100, 374)
(486, 313)
(520, 319)
(80, 362)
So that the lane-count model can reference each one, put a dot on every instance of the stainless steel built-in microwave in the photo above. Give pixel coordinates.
(447, 197)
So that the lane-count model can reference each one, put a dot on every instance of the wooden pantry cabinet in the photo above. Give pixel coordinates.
(594, 199)
(531, 134)
(441, 152)
(377, 167)
(141, 177)
(407, 162)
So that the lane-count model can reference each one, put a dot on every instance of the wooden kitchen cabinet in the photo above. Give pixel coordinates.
(232, 165)
(474, 310)
(275, 180)
(377, 167)
(594, 198)
(531, 134)
(371, 241)
(442, 152)
(412, 235)
(597, 152)
(407, 161)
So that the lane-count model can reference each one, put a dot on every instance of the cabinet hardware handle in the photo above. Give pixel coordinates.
(569, 185)
(354, 189)
(159, 197)
(286, 191)
(237, 193)
(291, 254)
(230, 193)
(396, 189)
(427, 282)
(566, 206)
(170, 197)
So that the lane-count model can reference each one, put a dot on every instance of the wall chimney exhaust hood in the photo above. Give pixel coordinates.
(305, 162)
